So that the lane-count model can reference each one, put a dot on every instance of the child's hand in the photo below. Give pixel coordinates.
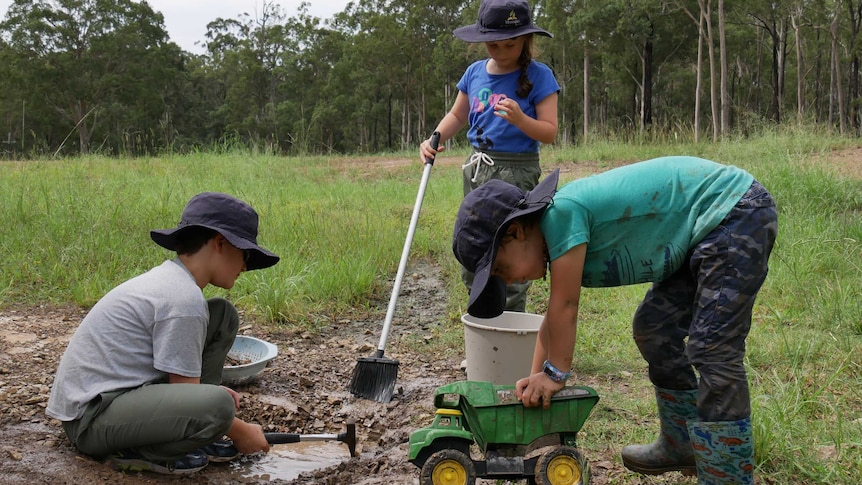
(509, 110)
(248, 438)
(537, 390)
(426, 152)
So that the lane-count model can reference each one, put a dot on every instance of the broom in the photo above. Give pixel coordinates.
(374, 377)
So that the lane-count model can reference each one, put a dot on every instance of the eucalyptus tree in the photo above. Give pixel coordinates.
(773, 18)
(589, 27)
(312, 100)
(247, 53)
(442, 57)
(854, 18)
(393, 64)
(706, 15)
(797, 23)
(644, 46)
(811, 22)
(701, 19)
(197, 95)
(836, 98)
(722, 49)
(636, 27)
(568, 54)
(102, 65)
(12, 103)
(371, 70)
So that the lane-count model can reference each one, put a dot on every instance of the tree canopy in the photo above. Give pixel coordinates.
(103, 76)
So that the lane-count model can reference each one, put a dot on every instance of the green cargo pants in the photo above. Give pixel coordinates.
(519, 169)
(165, 421)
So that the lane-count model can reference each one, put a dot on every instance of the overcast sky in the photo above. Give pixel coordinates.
(186, 20)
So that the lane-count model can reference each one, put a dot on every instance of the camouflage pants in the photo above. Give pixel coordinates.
(699, 318)
(519, 169)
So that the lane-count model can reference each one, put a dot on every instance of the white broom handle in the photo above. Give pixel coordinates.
(396, 287)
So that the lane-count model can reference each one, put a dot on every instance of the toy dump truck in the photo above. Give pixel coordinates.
(515, 442)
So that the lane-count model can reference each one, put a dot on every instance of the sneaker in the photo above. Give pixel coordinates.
(221, 451)
(132, 461)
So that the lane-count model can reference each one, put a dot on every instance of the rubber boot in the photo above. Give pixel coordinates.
(672, 450)
(724, 452)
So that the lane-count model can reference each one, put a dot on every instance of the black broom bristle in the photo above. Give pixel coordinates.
(374, 378)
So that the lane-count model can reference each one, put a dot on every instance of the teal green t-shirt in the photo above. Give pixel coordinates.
(639, 221)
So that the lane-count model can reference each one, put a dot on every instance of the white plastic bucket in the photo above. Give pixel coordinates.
(500, 349)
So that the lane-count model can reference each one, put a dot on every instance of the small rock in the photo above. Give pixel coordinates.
(13, 453)
(35, 400)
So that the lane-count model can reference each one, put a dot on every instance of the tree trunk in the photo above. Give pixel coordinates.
(854, 94)
(758, 74)
(781, 63)
(725, 96)
(855, 15)
(706, 8)
(78, 116)
(835, 85)
(800, 67)
(586, 91)
(698, 86)
(775, 28)
(646, 84)
(448, 100)
(774, 109)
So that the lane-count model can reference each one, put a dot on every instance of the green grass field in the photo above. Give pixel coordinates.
(73, 229)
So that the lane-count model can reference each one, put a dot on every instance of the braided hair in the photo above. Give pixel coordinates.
(525, 86)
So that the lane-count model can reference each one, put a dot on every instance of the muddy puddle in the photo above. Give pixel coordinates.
(288, 461)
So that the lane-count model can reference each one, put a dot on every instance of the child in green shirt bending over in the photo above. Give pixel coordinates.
(699, 231)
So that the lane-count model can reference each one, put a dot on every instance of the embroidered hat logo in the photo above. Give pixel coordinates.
(513, 19)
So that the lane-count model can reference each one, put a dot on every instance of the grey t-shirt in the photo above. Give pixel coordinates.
(145, 328)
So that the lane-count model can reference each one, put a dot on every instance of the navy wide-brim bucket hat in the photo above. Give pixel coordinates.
(230, 217)
(480, 225)
(500, 20)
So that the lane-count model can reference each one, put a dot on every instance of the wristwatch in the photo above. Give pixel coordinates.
(555, 374)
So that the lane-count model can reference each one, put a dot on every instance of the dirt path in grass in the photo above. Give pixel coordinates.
(304, 390)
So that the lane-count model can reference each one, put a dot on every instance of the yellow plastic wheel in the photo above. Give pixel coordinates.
(449, 472)
(448, 467)
(563, 465)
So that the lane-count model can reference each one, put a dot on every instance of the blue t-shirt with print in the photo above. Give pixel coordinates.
(640, 221)
(490, 132)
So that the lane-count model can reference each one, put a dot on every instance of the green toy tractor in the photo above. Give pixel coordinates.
(514, 442)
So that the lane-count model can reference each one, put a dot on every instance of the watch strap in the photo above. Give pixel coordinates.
(555, 374)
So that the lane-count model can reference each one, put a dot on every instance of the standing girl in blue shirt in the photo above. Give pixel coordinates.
(510, 103)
